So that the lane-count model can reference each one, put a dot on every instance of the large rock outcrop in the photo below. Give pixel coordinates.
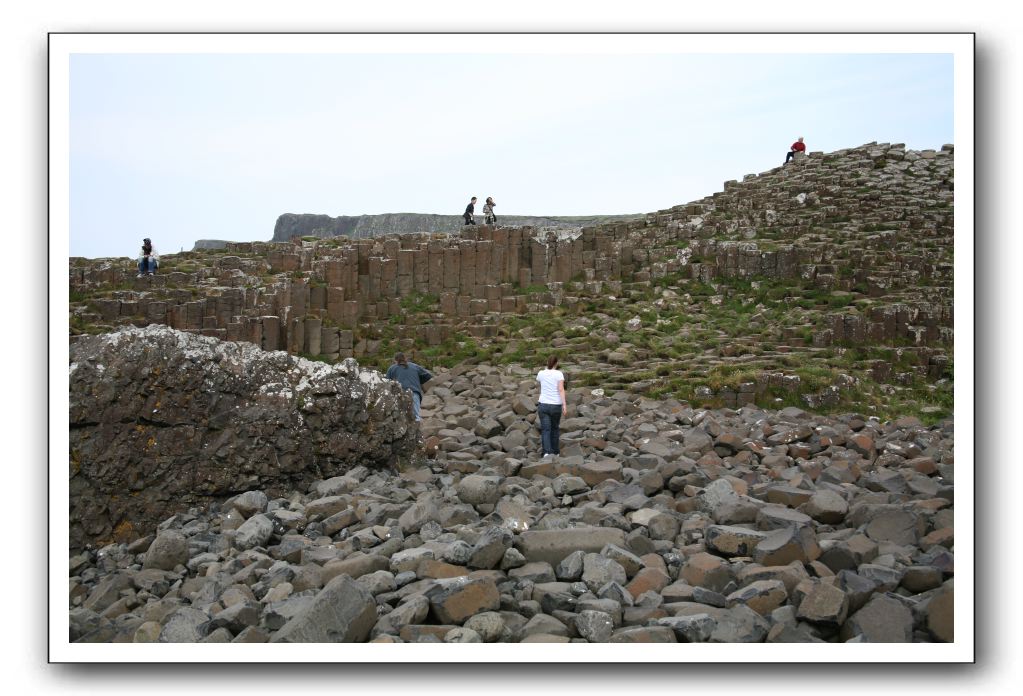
(161, 420)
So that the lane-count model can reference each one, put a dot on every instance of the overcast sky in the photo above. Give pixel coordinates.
(180, 147)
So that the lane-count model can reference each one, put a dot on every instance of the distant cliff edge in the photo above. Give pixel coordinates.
(360, 226)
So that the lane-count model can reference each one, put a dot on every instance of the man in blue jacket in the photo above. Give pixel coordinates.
(410, 376)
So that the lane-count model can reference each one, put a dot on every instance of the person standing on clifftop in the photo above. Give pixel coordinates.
(470, 212)
(551, 407)
(411, 377)
(797, 146)
(488, 212)
(148, 259)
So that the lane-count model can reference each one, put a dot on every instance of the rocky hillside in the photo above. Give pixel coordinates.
(825, 283)
(758, 445)
(291, 225)
(658, 523)
(161, 420)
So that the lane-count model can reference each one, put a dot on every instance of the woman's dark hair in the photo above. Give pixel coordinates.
(552, 362)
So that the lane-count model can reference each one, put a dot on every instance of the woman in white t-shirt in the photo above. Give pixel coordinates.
(552, 406)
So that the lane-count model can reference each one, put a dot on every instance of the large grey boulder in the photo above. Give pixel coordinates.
(881, 620)
(740, 624)
(255, 532)
(342, 612)
(162, 420)
(553, 545)
(168, 550)
(184, 626)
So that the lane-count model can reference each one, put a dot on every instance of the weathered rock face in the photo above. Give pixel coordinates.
(161, 419)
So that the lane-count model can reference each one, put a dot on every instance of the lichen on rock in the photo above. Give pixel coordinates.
(162, 419)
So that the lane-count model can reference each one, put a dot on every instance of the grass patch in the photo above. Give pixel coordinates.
(418, 302)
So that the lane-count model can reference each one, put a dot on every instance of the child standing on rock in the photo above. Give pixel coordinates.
(488, 212)
(551, 407)
(470, 212)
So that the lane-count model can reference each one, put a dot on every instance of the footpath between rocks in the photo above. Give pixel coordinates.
(658, 523)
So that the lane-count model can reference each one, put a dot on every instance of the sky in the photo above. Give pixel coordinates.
(181, 147)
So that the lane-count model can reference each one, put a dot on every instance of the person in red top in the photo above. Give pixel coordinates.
(797, 146)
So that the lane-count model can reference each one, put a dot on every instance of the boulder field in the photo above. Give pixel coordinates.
(658, 522)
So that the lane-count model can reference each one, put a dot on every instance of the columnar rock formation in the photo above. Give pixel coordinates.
(872, 224)
(161, 420)
(249, 495)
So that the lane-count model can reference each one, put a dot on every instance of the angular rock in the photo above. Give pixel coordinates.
(342, 612)
(453, 600)
(881, 620)
(594, 626)
(771, 517)
(762, 596)
(250, 503)
(599, 570)
(648, 580)
(553, 545)
(489, 625)
(897, 526)
(412, 611)
(462, 635)
(825, 606)
(940, 615)
(228, 413)
(256, 531)
(421, 512)
(644, 634)
(479, 490)
(571, 566)
(168, 550)
(733, 541)
(354, 566)
(544, 624)
(706, 571)
(628, 560)
(788, 544)
(827, 507)
(490, 548)
(695, 628)
(740, 624)
(184, 626)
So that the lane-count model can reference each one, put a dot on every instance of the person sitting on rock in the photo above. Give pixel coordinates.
(412, 377)
(797, 146)
(470, 212)
(149, 261)
(551, 407)
(488, 212)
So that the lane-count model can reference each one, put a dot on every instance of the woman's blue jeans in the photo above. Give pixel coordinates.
(550, 420)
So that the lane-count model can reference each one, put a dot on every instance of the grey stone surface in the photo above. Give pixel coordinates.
(594, 626)
(342, 612)
(881, 620)
(169, 549)
(226, 413)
